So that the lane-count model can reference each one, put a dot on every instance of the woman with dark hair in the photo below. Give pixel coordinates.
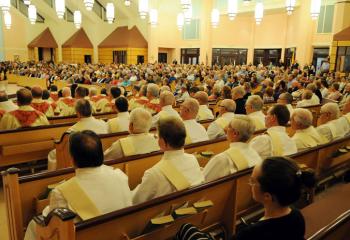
(277, 183)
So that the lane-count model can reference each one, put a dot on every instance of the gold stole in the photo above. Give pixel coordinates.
(222, 122)
(238, 159)
(127, 146)
(307, 140)
(175, 177)
(78, 199)
(258, 124)
(277, 149)
(333, 130)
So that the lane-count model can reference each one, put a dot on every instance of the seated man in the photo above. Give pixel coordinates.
(82, 193)
(85, 93)
(239, 156)
(6, 105)
(227, 109)
(254, 106)
(346, 110)
(101, 101)
(65, 104)
(140, 99)
(166, 102)
(195, 132)
(305, 135)
(276, 141)
(306, 99)
(153, 98)
(176, 170)
(39, 104)
(204, 112)
(85, 122)
(329, 123)
(140, 141)
(121, 122)
(286, 99)
(25, 115)
(238, 96)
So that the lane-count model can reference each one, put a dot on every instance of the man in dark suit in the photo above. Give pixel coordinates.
(238, 96)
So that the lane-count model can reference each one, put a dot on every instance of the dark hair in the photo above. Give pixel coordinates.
(103, 91)
(172, 131)
(73, 87)
(282, 178)
(37, 92)
(121, 103)
(115, 92)
(24, 96)
(60, 93)
(86, 149)
(3, 96)
(194, 89)
(83, 107)
(282, 114)
(46, 94)
(81, 91)
(53, 88)
(226, 92)
(335, 86)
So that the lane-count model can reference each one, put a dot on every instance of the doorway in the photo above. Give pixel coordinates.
(190, 56)
(119, 57)
(87, 59)
(162, 57)
(140, 59)
(45, 54)
(319, 56)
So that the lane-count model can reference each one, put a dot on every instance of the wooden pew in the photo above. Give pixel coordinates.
(28, 144)
(26, 81)
(74, 119)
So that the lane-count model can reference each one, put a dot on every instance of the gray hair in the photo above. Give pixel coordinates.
(238, 90)
(229, 105)
(83, 107)
(256, 102)
(153, 89)
(164, 88)
(202, 97)
(66, 92)
(141, 120)
(331, 108)
(244, 125)
(303, 117)
(167, 98)
(192, 104)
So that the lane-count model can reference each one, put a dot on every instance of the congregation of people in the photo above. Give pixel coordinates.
(147, 96)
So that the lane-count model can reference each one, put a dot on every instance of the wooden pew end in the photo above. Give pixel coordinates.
(63, 214)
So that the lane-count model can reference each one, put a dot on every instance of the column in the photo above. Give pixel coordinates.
(206, 32)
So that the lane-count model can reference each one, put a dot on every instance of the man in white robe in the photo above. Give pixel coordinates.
(121, 122)
(253, 107)
(204, 112)
(166, 101)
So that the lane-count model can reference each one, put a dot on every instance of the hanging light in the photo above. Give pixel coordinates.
(246, 2)
(26, 2)
(180, 21)
(5, 5)
(290, 4)
(77, 19)
(60, 8)
(259, 12)
(232, 9)
(127, 3)
(32, 14)
(89, 4)
(315, 9)
(215, 18)
(188, 15)
(7, 20)
(143, 8)
(186, 4)
(110, 12)
(153, 17)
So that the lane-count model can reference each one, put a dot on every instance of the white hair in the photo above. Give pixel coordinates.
(66, 92)
(244, 125)
(167, 98)
(153, 89)
(331, 108)
(164, 88)
(141, 120)
(256, 102)
(229, 105)
(192, 104)
(238, 90)
(303, 117)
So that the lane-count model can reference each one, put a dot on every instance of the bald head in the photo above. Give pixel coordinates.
(301, 119)
(140, 121)
(166, 98)
(37, 92)
(189, 109)
(66, 92)
(24, 97)
(202, 97)
(3, 96)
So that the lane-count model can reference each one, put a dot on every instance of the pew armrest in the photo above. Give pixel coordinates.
(63, 214)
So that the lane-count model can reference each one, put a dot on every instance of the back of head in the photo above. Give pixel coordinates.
(153, 90)
(312, 87)
(66, 92)
(193, 90)
(104, 91)
(282, 178)
(86, 149)
(192, 105)
(172, 131)
(122, 105)
(92, 91)
(256, 102)
(115, 92)
(3, 96)
(269, 91)
(202, 97)
(307, 94)
(81, 92)
(335, 86)
(24, 97)
(141, 120)
(302, 117)
(288, 97)
(282, 114)
(46, 94)
(53, 88)
(164, 88)
(166, 98)
(244, 125)
(229, 105)
(37, 92)
(238, 92)
(83, 108)
(332, 109)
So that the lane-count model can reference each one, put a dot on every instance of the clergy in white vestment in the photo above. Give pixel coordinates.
(253, 107)
(239, 156)
(306, 136)
(276, 141)
(306, 99)
(204, 112)
(39, 104)
(314, 99)
(346, 110)
(175, 171)
(195, 132)
(330, 124)
(121, 122)
(6, 105)
(65, 104)
(227, 109)
(166, 101)
(140, 140)
(85, 122)
(82, 193)
(286, 99)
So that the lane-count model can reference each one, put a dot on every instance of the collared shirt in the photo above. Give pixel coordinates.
(120, 123)
(304, 143)
(334, 129)
(204, 113)
(259, 119)
(166, 111)
(215, 130)
(196, 132)
(263, 144)
(155, 184)
(143, 143)
(305, 103)
(90, 123)
(221, 165)
(8, 106)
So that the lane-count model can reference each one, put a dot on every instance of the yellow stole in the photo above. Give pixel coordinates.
(127, 146)
(307, 140)
(258, 124)
(175, 177)
(78, 199)
(277, 149)
(238, 159)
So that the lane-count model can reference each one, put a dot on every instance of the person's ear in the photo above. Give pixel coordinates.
(267, 197)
